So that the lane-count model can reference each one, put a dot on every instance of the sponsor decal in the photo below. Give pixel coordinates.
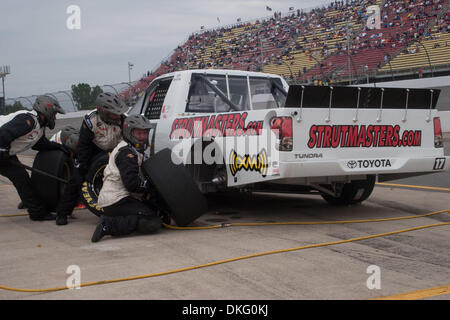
(87, 190)
(88, 122)
(256, 163)
(228, 124)
(308, 155)
(439, 164)
(362, 136)
(352, 164)
(369, 164)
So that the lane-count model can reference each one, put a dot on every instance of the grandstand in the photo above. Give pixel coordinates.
(431, 54)
(331, 44)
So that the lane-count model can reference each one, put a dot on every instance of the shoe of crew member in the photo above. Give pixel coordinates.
(43, 217)
(100, 231)
(61, 220)
(145, 225)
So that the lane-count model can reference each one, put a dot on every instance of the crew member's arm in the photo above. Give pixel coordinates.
(85, 148)
(44, 144)
(19, 126)
(127, 163)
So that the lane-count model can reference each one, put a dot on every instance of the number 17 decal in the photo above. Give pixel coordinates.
(439, 164)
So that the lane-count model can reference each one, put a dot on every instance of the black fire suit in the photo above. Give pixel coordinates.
(130, 214)
(87, 150)
(19, 126)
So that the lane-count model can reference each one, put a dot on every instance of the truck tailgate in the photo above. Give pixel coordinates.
(351, 131)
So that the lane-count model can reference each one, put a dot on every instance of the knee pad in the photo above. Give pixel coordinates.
(120, 225)
(149, 225)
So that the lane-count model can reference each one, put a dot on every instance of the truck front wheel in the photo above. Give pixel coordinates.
(353, 192)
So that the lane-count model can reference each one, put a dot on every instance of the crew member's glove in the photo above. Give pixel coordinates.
(4, 154)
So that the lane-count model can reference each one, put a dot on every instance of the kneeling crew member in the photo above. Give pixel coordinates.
(19, 132)
(123, 185)
(99, 132)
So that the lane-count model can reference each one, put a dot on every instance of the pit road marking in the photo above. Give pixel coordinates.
(419, 294)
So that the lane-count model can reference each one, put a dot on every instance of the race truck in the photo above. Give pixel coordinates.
(246, 131)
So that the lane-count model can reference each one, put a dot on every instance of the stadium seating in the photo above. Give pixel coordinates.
(433, 50)
(402, 23)
(308, 46)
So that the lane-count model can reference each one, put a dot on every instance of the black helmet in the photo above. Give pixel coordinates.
(72, 142)
(135, 131)
(48, 108)
(66, 132)
(110, 108)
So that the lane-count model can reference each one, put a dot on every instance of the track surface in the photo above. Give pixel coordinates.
(37, 254)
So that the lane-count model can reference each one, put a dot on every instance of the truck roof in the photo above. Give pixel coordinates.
(220, 72)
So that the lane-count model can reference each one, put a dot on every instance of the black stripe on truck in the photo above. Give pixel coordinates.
(369, 98)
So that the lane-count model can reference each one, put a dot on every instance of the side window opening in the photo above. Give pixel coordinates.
(211, 93)
(155, 98)
(202, 97)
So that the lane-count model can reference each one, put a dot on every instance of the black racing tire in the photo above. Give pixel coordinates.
(49, 190)
(353, 192)
(90, 188)
(176, 187)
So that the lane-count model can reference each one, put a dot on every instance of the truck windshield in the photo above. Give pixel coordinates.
(219, 93)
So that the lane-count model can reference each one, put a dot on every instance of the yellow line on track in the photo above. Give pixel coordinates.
(254, 224)
(13, 215)
(412, 186)
(419, 294)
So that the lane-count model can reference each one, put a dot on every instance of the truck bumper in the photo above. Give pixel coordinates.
(348, 167)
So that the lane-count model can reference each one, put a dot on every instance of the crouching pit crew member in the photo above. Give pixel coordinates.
(99, 132)
(19, 132)
(124, 186)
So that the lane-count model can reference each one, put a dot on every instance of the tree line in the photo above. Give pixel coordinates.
(83, 96)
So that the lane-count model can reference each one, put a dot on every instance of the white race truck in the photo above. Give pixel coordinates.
(247, 130)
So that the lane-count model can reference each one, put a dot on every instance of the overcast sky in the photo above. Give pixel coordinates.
(45, 56)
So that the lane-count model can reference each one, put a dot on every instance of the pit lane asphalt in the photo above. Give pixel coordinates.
(37, 254)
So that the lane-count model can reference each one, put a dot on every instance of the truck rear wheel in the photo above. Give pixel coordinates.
(353, 192)
(93, 184)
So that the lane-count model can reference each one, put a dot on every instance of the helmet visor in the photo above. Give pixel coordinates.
(110, 118)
